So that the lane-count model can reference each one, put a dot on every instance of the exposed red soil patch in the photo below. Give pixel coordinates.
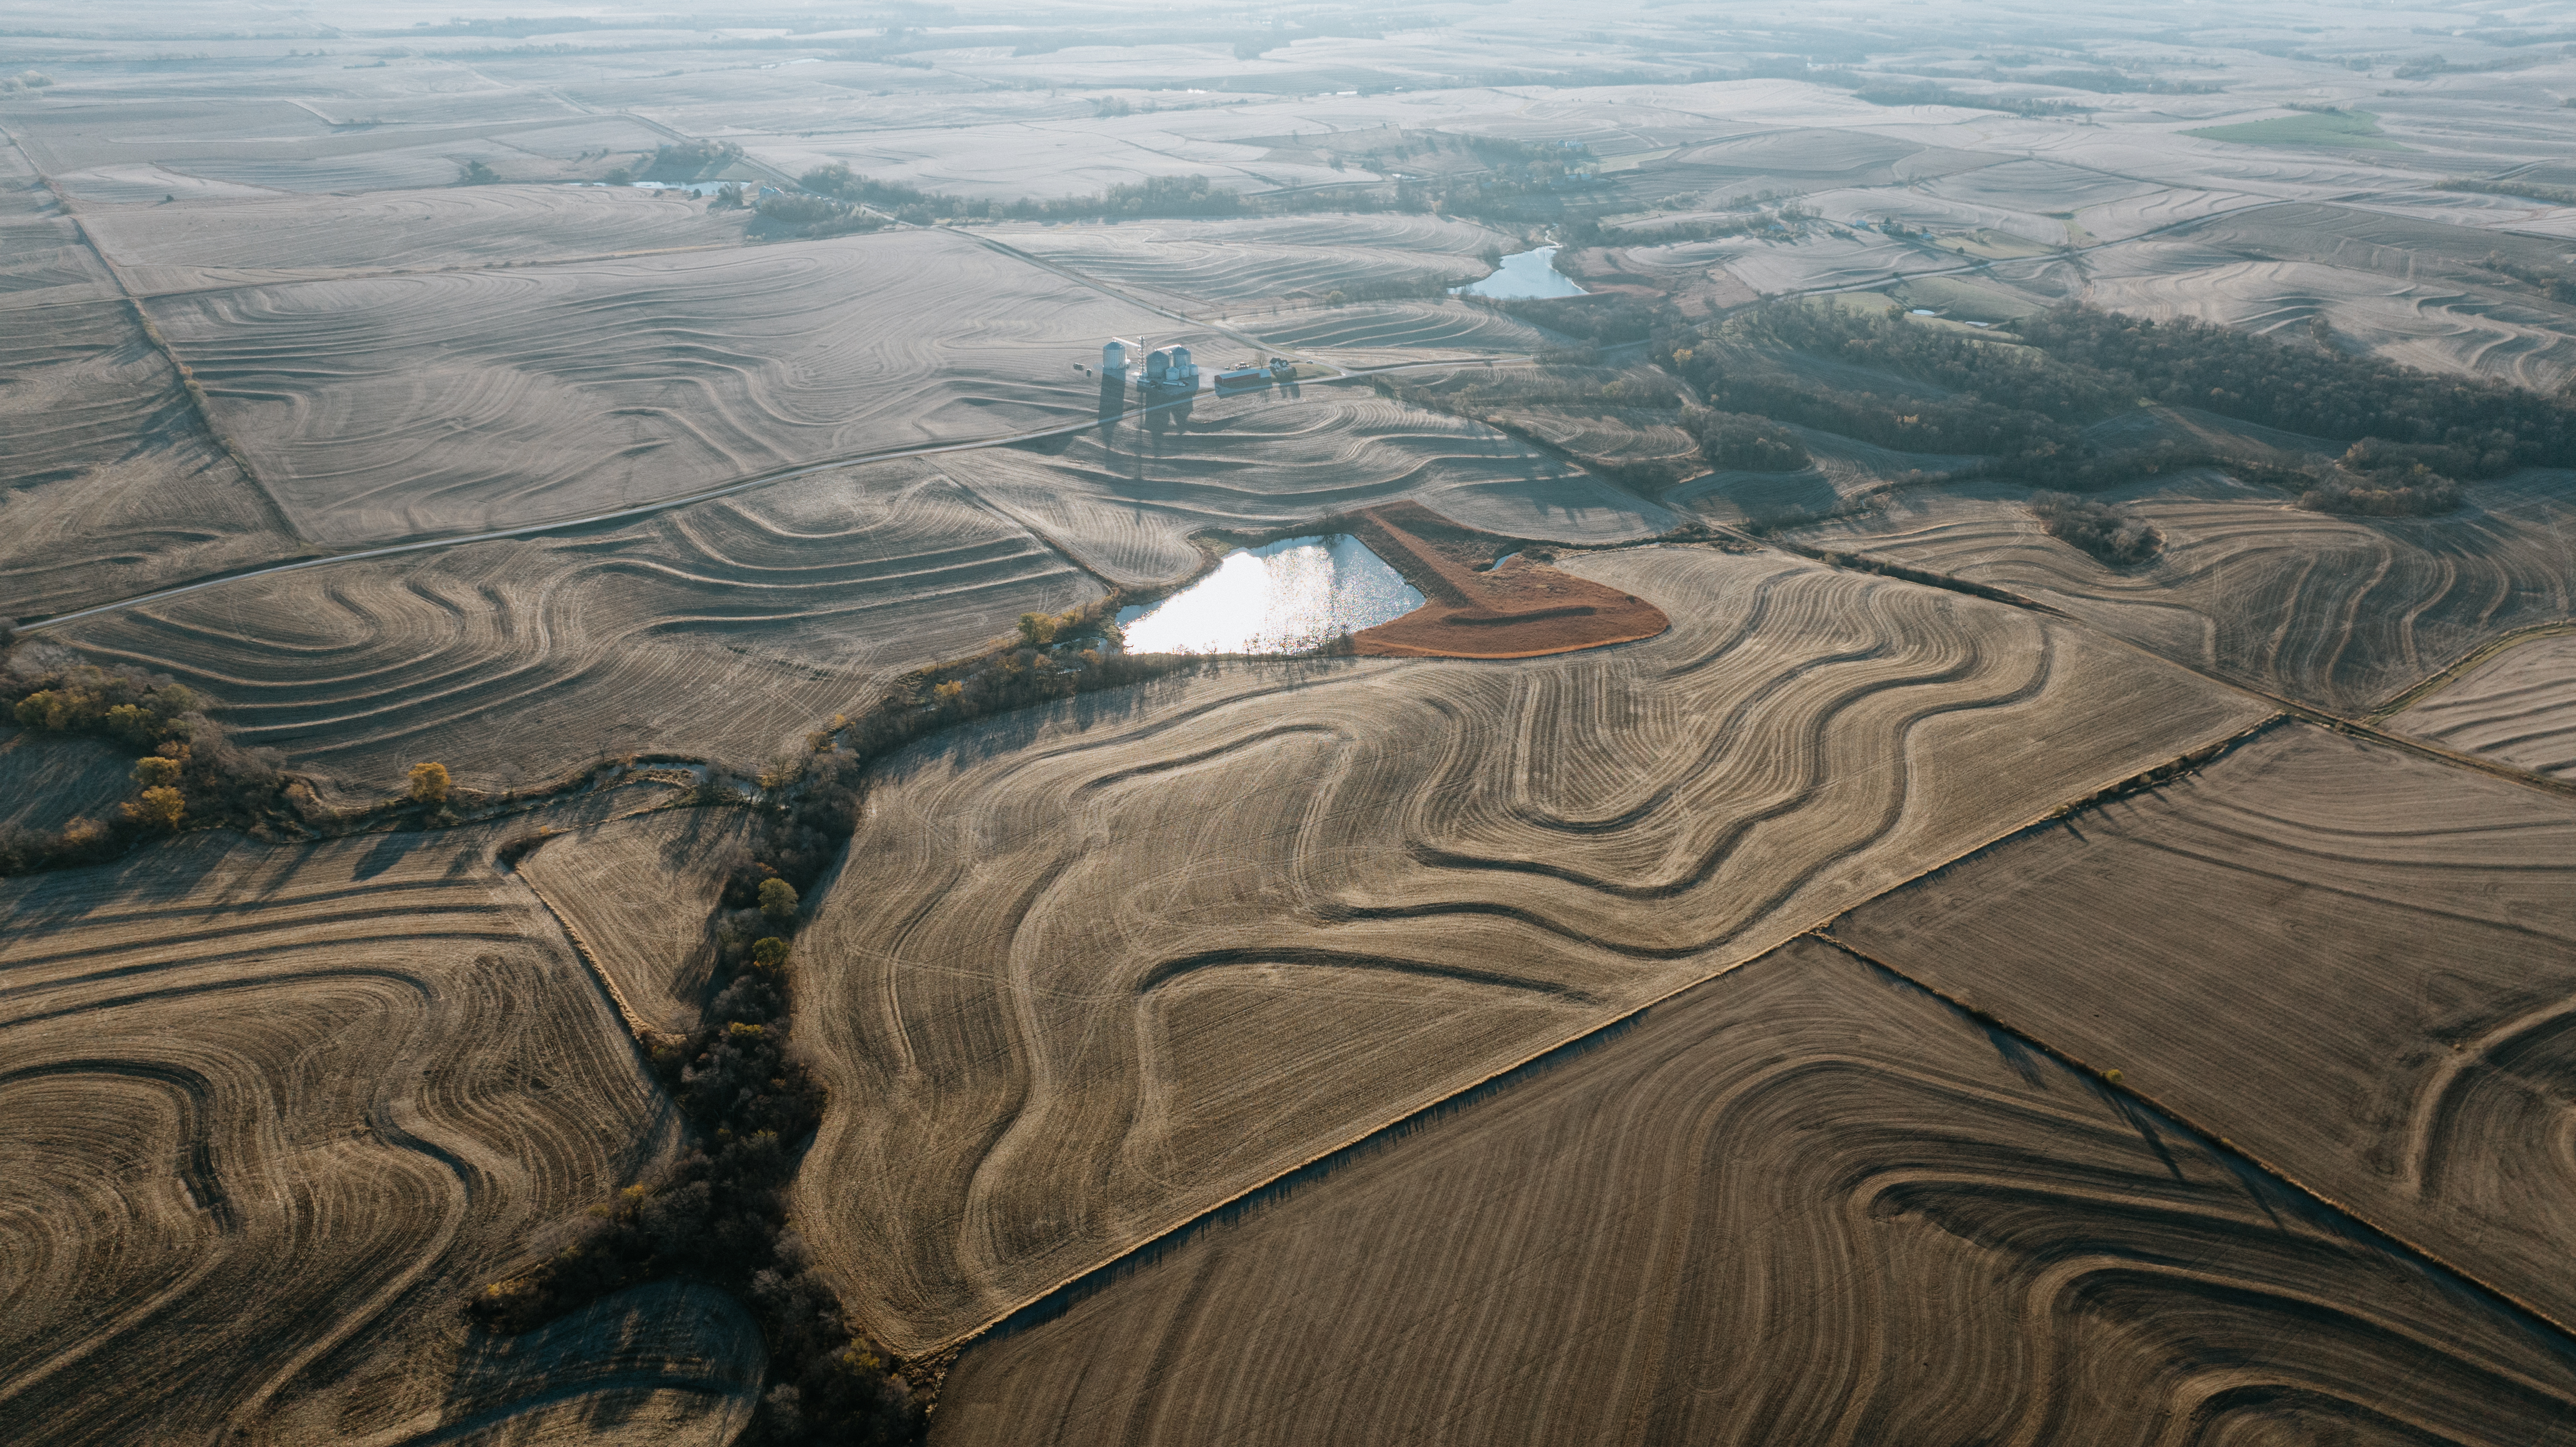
(1522, 609)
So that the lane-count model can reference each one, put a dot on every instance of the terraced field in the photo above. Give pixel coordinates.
(1127, 499)
(2396, 939)
(1796, 159)
(385, 407)
(2407, 289)
(1435, 1042)
(1203, 262)
(1062, 1002)
(1613, 437)
(2519, 707)
(114, 485)
(249, 242)
(121, 149)
(2334, 611)
(43, 260)
(268, 1111)
(1801, 1203)
(1842, 470)
(727, 629)
(638, 894)
(1391, 333)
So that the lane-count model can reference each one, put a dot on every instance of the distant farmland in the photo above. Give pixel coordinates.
(456, 401)
(2326, 610)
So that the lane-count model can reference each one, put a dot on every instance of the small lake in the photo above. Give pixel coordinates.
(1283, 597)
(694, 188)
(1525, 275)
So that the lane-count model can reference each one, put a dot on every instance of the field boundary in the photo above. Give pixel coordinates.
(1071, 1290)
(643, 510)
(2465, 664)
(638, 1030)
(186, 374)
(2109, 1081)
(2363, 725)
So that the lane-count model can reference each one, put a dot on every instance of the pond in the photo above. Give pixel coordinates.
(694, 188)
(1525, 275)
(1283, 597)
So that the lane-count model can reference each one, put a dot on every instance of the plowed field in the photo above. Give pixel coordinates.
(267, 1111)
(637, 893)
(673, 1364)
(1126, 499)
(113, 485)
(43, 260)
(45, 783)
(2407, 289)
(1093, 971)
(2395, 943)
(1236, 261)
(2519, 707)
(2335, 611)
(386, 407)
(727, 629)
(1803, 1203)
(285, 238)
(1390, 333)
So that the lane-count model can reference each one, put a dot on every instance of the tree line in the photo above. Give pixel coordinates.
(2024, 408)
(185, 771)
(719, 1214)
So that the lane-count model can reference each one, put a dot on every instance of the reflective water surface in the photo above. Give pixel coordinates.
(1525, 275)
(1293, 594)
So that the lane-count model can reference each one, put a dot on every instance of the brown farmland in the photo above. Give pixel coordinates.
(1801, 1203)
(1380, 334)
(209, 245)
(458, 401)
(1063, 1002)
(114, 485)
(1127, 499)
(1464, 1037)
(2518, 707)
(636, 894)
(45, 783)
(267, 1111)
(1196, 263)
(2339, 612)
(2395, 939)
(726, 630)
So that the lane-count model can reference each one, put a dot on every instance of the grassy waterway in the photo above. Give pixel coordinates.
(1282, 597)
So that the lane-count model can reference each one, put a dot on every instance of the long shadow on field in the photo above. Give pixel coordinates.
(1008, 733)
(390, 849)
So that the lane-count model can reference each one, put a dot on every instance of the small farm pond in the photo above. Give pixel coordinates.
(1525, 275)
(1283, 597)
